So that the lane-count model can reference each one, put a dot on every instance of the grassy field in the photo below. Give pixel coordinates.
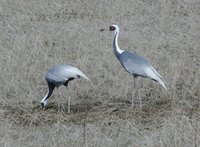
(35, 35)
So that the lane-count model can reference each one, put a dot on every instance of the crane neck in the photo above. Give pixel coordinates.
(117, 50)
(50, 90)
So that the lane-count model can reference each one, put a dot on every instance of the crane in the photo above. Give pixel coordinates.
(61, 75)
(133, 63)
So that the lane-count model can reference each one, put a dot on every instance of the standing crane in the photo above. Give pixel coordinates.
(133, 63)
(61, 75)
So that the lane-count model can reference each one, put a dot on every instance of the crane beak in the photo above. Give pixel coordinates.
(101, 30)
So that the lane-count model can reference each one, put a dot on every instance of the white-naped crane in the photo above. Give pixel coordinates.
(61, 75)
(133, 63)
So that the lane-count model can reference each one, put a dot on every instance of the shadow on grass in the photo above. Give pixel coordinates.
(90, 112)
(93, 111)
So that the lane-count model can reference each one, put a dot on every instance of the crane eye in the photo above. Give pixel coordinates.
(112, 28)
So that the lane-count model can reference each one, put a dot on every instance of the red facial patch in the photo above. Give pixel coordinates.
(112, 28)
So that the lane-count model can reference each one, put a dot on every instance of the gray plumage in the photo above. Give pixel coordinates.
(61, 75)
(133, 63)
(139, 66)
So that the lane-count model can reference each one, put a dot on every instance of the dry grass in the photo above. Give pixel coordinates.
(36, 35)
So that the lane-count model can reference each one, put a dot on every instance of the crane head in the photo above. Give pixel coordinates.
(43, 103)
(114, 28)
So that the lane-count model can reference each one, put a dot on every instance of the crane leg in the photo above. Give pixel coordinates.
(134, 85)
(135, 88)
(68, 105)
(140, 98)
(58, 96)
(69, 98)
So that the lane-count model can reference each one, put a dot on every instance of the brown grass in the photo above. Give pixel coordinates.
(36, 35)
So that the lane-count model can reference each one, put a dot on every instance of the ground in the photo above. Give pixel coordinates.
(35, 35)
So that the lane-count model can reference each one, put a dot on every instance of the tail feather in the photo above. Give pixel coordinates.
(160, 79)
(81, 74)
(84, 76)
(152, 73)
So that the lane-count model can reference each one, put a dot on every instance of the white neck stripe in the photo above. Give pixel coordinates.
(116, 42)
